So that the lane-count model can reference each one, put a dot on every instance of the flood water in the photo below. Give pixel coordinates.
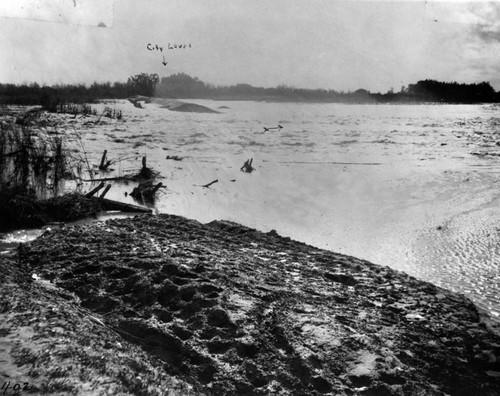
(414, 187)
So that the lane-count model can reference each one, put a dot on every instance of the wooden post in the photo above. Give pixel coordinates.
(92, 192)
(103, 160)
(105, 191)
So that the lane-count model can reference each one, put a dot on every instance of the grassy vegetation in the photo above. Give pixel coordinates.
(87, 109)
(112, 113)
(33, 167)
(75, 109)
(30, 161)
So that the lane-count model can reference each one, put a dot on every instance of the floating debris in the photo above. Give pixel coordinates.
(247, 166)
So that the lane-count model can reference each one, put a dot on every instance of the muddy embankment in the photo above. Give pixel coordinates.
(163, 303)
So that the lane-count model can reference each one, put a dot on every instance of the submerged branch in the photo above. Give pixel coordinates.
(209, 184)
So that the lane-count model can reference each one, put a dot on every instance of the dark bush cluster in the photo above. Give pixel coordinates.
(53, 97)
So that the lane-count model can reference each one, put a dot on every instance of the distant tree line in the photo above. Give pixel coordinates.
(444, 92)
(183, 86)
(52, 96)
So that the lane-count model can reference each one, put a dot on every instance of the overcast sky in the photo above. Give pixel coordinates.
(342, 45)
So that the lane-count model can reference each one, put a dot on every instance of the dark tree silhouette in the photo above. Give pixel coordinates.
(452, 92)
(181, 85)
(143, 84)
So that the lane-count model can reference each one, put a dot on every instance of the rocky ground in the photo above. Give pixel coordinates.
(160, 304)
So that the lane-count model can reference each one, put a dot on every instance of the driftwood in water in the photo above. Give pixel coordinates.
(103, 179)
(247, 166)
(146, 188)
(209, 184)
(108, 204)
(104, 164)
(105, 191)
(146, 173)
(157, 187)
(174, 157)
(145, 191)
(92, 192)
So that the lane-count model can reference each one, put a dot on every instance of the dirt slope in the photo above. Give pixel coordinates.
(230, 310)
(49, 344)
